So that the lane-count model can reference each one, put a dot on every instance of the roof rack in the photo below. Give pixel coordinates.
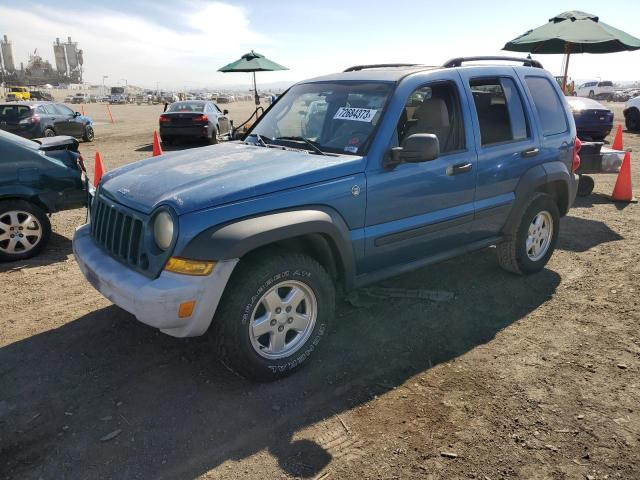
(357, 68)
(527, 62)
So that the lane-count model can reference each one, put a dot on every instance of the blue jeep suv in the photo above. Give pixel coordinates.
(345, 180)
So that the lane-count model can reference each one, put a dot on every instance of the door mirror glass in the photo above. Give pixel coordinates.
(416, 148)
(225, 112)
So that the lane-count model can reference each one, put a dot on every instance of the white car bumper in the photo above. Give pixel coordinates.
(153, 301)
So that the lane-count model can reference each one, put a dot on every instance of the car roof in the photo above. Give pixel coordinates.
(385, 73)
(585, 102)
(376, 74)
(29, 103)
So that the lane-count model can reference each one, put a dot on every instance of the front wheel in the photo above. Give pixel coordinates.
(632, 120)
(24, 230)
(88, 134)
(529, 247)
(275, 311)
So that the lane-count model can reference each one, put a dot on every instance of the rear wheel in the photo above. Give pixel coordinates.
(49, 132)
(276, 309)
(213, 139)
(585, 186)
(529, 247)
(24, 230)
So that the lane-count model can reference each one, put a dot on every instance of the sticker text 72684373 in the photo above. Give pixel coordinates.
(355, 114)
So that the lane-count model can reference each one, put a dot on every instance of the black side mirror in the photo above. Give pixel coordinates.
(225, 112)
(76, 114)
(416, 148)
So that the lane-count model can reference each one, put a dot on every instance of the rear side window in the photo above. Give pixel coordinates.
(14, 112)
(499, 109)
(550, 110)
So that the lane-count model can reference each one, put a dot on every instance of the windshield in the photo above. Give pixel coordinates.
(117, 90)
(336, 117)
(186, 107)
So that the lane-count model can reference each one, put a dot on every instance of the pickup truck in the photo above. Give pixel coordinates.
(404, 165)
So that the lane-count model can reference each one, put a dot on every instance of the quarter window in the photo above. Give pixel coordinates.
(499, 109)
(550, 111)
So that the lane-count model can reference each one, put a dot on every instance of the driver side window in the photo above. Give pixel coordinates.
(435, 109)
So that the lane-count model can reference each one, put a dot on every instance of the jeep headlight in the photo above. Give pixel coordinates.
(163, 229)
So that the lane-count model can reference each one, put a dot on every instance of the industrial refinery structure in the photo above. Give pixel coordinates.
(68, 65)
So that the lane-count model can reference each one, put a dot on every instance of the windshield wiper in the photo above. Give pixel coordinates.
(310, 143)
(260, 139)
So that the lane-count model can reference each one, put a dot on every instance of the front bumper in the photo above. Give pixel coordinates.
(153, 301)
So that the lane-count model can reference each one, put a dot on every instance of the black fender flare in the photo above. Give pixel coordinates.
(236, 239)
(534, 180)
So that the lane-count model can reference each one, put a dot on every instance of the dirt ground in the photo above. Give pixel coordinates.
(515, 377)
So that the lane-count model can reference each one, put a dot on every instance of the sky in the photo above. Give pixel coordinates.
(181, 44)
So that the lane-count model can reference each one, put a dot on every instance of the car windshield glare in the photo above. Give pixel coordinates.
(337, 117)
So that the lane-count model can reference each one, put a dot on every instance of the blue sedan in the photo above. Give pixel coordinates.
(593, 120)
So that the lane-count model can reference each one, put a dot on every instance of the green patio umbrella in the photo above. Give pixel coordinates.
(573, 32)
(253, 62)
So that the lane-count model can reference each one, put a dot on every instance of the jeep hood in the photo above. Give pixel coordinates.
(199, 178)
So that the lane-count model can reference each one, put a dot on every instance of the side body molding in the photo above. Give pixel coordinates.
(234, 240)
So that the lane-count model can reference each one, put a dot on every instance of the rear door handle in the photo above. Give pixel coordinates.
(459, 168)
(532, 152)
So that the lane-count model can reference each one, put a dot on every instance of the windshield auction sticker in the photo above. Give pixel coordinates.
(356, 114)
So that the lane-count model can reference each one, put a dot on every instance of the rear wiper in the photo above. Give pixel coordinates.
(310, 143)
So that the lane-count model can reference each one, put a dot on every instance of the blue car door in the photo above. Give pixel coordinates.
(506, 143)
(418, 210)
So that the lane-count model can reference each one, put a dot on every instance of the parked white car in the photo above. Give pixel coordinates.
(595, 89)
(632, 114)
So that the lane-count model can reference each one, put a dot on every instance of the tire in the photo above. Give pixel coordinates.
(14, 215)
(598, 138)
(213, 139)
(632, 120)
(88, 134)
(168, 141)
(513, 254)
(49, 132)
(585, 186)
(269, 276)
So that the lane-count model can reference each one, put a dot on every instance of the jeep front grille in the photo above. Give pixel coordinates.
(117, 231)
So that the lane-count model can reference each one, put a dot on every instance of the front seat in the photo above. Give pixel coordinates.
(432, 117)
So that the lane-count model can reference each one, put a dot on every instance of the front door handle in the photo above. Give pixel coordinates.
(459, 168)
(532, 152)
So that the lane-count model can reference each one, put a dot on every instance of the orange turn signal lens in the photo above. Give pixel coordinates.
(189, 267)
(186, 309)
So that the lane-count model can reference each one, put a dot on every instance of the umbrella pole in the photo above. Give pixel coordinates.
(255, 90)
(567, 53)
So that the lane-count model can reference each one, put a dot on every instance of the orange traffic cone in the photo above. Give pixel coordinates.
(98, 170)
(617, 142)
(622, 191)
(157, 150)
